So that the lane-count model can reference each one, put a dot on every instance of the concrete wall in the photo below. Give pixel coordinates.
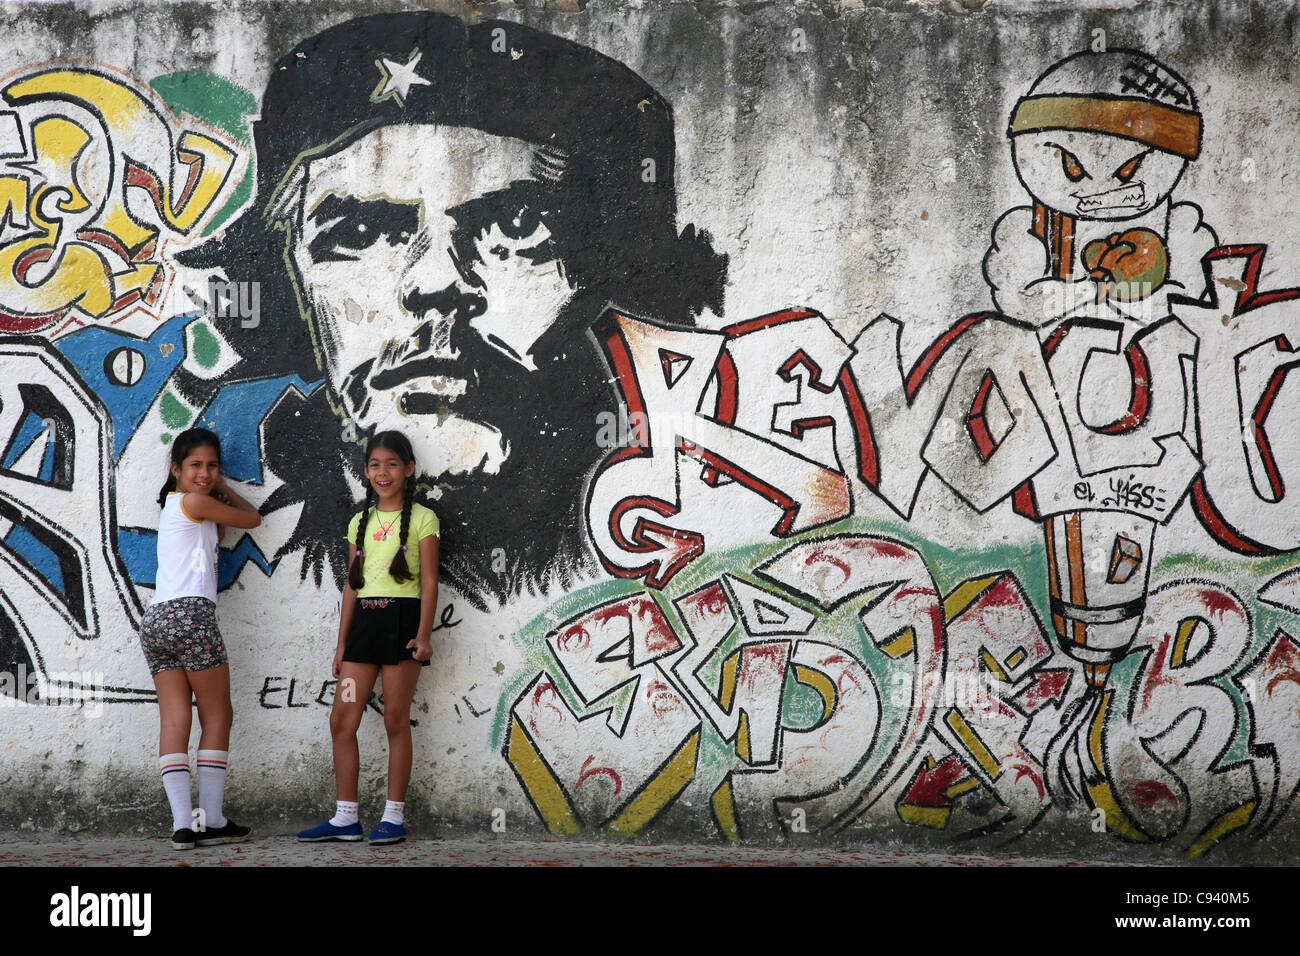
(848, 421)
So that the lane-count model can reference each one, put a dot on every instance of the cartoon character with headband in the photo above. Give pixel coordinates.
(1100, 141)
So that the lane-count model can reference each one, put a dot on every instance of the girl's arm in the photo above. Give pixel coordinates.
(422, 645)
(345, 624)
(228, 496)
(237, 512)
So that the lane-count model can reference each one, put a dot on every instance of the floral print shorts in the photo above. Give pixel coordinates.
(182, 633)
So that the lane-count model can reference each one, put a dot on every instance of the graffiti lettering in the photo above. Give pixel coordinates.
(74, 142)
(274, 688)
(447, 618)
(1130, 494)
(987, 409)
(1244, 364)
(668, 371)
(976, 685)
(1157, 768)
(621, 771)
(63, 589)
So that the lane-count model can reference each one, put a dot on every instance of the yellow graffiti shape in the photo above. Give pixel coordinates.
(540, 782)
(82, 245)
(61, 142)
(660, 790)
(724, 811)
(1099, 788)
(37, 276)
(209, 164)
(183, 184)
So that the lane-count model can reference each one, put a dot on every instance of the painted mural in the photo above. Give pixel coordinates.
(697, 533)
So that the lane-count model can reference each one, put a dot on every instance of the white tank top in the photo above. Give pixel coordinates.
(187, 554)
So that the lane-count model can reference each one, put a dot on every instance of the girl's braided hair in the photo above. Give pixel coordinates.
(396, 442)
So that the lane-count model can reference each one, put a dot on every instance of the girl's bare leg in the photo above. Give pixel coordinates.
(350, 697)
(174, 711)
(212, 695)
(399, 688)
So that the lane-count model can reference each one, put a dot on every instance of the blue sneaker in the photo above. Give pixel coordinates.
(387, 833)
(328, 831)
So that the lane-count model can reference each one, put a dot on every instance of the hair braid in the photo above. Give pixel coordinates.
(355, 577)
(399, 568)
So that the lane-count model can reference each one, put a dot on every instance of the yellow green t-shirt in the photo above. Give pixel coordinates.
(379, 547)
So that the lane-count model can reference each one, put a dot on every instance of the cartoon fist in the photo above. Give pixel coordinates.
(1130, 265)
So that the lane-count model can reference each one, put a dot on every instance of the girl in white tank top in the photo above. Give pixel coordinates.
(181, 642)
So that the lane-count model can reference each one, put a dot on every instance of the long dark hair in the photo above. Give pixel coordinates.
(183, 444)
(398, 443)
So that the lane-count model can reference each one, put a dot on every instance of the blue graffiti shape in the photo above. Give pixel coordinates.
(38, 556)
(30, 429)
(236, 414)
(126, 372)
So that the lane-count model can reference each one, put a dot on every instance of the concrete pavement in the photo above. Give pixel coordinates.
(53, 849)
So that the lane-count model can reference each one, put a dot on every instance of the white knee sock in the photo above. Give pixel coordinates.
(393, 813)
(212, 786)
(175, 769)
(345, 814)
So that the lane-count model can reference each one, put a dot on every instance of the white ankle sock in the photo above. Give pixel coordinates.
(175, 769)
(345, 814)
(393, 813)
(212, 786)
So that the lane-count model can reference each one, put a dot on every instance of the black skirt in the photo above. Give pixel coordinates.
(381, 629)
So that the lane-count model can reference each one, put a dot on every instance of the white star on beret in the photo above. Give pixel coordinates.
(396, 79)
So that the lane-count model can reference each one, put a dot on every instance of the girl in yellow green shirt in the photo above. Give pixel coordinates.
(385, 626)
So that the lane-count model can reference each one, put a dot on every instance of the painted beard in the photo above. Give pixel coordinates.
(433, 401)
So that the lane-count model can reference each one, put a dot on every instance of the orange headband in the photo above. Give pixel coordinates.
(1164, 127)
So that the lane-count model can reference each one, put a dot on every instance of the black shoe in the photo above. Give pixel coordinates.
(232, 832)
(183, 839)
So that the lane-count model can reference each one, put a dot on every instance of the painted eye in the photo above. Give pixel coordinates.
(1070, 164)
(519, 223)
(348, 226)
(1130, 168)
(348, 234)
